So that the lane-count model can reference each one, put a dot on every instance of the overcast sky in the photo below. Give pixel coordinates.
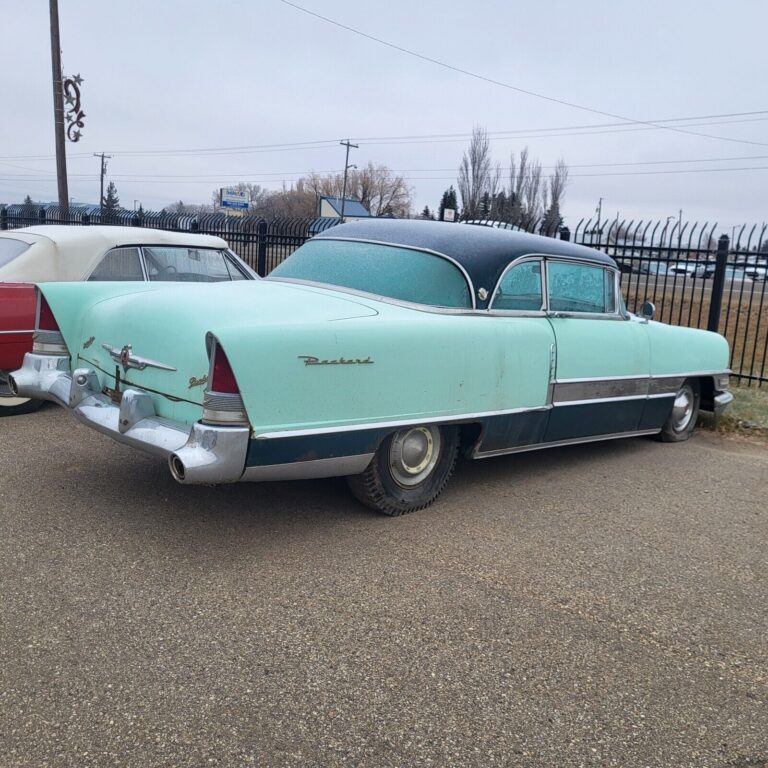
(171, 75)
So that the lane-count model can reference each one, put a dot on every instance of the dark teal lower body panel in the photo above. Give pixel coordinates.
(498, 433)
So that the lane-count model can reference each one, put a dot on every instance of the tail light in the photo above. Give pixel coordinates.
(222, 403)
(48, 339)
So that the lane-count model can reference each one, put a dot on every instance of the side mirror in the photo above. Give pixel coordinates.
(647, 310)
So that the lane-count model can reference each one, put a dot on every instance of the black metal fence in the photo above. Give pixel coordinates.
(694, 275)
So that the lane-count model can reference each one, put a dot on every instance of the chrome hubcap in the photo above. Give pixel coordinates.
(413, 455)
(682, 410)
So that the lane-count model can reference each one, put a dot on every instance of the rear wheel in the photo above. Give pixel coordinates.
(685, 413)
(15, 406)
(409, 470)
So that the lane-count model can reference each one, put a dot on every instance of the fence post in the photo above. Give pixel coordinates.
(565, 234)
(3, 218)
(261, 249)
(41, 215)
(718, 283)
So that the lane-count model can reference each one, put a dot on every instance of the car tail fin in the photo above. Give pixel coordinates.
(222, 403)
(48, 339)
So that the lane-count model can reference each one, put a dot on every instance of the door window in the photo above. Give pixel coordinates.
(520, 288)
(580, 288)
(119, 264)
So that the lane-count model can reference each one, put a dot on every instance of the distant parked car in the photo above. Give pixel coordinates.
(380, 350)
(653, 268)
(58, 253)
(734, 274)
(756, 273)
(683, 268)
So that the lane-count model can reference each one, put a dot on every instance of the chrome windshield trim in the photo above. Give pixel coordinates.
(389, 243)
(395, 423)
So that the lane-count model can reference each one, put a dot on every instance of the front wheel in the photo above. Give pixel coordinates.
(409, 470)
(685, 413)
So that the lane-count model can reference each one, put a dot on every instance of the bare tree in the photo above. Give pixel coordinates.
(475, 175)
(375, 186)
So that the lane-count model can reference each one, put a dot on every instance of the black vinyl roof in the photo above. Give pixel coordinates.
(484, 252)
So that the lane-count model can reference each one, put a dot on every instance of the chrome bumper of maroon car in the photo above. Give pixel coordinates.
(202, 454)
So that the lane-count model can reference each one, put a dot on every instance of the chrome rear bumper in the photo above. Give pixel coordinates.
(202, 454)
(721, 401)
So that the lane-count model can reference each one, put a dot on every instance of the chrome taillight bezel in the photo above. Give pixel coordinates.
(47, 342)
(221, 409)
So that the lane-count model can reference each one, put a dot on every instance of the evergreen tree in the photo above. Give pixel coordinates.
(140, 211)
(484, 209)
(448, 200)
(111, 201)
(28, 200)
(426, 213)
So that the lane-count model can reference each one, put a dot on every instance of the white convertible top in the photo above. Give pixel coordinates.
(60, 253)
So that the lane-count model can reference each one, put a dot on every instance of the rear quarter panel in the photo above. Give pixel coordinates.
(423, 365)
(18, 305)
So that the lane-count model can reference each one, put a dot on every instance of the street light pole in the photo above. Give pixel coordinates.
(347, 166)
(58, 110)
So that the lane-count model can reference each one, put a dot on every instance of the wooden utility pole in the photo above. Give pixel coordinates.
(58, 110)
(103, 172)
(347, 166)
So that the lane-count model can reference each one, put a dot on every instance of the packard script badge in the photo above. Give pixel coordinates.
(309, 360)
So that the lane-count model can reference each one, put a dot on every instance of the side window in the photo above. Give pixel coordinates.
(234, 272)
(119, 264)
(520, 288)
(580, 288)
(186, 265)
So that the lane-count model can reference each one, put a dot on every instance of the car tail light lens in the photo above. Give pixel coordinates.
(222, 378)
(222, 403)
(48, 339)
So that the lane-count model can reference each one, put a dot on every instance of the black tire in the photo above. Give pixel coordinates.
(29, 406)
(392, 486)
(684, 415)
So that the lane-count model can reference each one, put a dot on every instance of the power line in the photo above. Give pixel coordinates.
(590, 129)
(502, 84)
(225, 179)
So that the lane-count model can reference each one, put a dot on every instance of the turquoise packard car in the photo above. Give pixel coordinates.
(380, 350)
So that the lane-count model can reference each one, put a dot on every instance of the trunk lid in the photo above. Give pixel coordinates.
(153, 336)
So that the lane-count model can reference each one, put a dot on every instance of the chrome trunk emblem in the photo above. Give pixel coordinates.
(127, 359)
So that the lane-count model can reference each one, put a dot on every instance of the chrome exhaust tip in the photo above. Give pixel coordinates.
(12, 386)
(177, 468)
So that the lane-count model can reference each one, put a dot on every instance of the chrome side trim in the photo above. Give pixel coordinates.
(339, 466)
(689, 374)
(561, 443)
(456, 419)
(594, 400)
(13, 333)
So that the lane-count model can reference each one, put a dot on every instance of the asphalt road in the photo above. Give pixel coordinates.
(594, 606)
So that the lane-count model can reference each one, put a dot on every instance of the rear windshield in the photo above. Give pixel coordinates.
(384, 270)
(10, 249)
